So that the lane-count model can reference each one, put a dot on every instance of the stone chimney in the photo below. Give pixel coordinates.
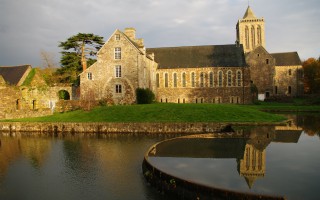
(131, 33)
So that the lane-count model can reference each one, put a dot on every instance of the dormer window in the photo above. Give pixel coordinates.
(117, 36)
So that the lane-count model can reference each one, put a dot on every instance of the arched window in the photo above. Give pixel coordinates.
(211, 79)
(183, 79)
(166, 84)
(193, 79)
(259, 35)
(247, 37)
(239, 78)
(157, 80)
(202, 76)
(174, 79)
(253, 37)
(229, 78)
(220, 78)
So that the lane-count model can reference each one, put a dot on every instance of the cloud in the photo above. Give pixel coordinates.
(26, 27)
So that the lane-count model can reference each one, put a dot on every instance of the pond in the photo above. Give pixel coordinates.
(109, 166)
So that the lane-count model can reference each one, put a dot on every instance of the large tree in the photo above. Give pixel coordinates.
(78, 52)
(311, 68)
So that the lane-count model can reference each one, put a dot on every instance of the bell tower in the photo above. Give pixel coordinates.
(250, 31)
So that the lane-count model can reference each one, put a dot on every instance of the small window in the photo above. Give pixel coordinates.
(229, 78)
(183, 79)
(211, 79)
(117, 53)
(239, 78)
(157, 80)
(118, 88)
(166, 81)
(117, 36)
(267, 61)
(118, 71)
(289, 89)
(193, 76)
(290, 72)
(175, 80)
(89, 76)
(202, 76)
(220, 78)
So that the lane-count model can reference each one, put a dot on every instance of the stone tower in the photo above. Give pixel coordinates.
(250, 31)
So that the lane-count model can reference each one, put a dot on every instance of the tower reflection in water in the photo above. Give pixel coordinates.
(247, 145)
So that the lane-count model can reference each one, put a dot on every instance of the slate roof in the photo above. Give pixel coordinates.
(199, 56)
(13, 74)
(287, 59)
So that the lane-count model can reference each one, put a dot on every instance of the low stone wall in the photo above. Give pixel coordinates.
(76, 128)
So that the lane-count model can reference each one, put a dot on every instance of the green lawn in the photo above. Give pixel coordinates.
(165, 113)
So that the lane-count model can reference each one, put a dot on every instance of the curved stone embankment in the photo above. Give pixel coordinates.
(76, 128)
(180, 188)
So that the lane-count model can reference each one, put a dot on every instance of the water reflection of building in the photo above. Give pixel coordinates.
(248, 148)
(33, 149)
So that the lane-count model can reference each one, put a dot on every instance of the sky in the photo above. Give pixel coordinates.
(29, 27)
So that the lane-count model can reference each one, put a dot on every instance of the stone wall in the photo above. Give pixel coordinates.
(262, 70)
(83, 128)
(203, 91)
(288, 81)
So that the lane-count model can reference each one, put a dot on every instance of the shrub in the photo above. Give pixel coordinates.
(144, 96)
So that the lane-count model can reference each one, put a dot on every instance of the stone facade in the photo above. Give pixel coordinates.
(194, 74)
(288, 80)
(28, 100)
(274, 74)
(122, 66)
(181, 87)
(250, 31)
(262, 70)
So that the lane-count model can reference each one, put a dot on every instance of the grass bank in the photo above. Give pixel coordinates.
(164, 113)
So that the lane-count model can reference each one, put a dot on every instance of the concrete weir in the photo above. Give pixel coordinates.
(108, 127)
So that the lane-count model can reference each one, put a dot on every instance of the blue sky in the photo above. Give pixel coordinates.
(28, 27)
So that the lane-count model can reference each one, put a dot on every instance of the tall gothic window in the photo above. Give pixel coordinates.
(239, 78)
(259, 35)
(175, 80)
(253, 37)
(211, 79)
(193, 79)
(157, 80)
(166, 84)
(183, 79)
(220, 78)
(202, 76)
(229, 78)
(247, 37)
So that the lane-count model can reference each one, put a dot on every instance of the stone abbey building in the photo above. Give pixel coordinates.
(193, 74)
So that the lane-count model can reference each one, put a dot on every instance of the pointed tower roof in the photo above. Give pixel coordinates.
(249, 14)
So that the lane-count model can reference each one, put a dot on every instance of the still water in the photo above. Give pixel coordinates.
(110, 167)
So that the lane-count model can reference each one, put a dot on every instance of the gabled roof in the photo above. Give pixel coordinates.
(249, 14)
(199, 56)
(14, 74)
(287, 59)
